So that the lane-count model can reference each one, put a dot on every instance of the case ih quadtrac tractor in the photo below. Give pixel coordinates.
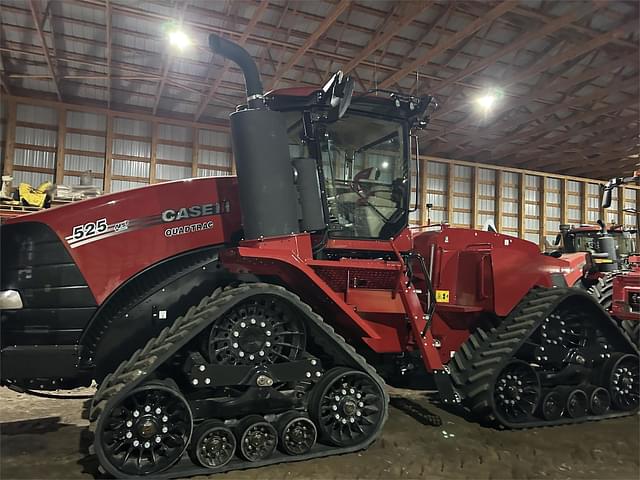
(240, 319)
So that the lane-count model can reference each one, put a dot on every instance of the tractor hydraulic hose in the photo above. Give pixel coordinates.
(249, 69)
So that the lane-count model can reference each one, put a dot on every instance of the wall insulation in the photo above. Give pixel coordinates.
(53, 141)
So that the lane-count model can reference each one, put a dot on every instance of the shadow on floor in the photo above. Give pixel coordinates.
(416, 411)
(36, 425)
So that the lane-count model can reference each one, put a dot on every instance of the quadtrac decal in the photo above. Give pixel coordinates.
(99, 229)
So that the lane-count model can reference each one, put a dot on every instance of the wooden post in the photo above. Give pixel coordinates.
(10, 143)
(498, 200)
(108, 152)
(450, 185)
(194, 151)
(474, 197)
(543, 212)
(564, 216)
(62, 134)
(521, 206)
(154, 148)
(602, 212)
(621, 194)
(585, 203)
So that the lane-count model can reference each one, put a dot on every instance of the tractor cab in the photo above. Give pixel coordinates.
(362, 149)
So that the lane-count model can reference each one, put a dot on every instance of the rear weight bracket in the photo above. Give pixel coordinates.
(448, 393)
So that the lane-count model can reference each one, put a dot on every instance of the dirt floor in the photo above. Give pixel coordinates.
(43, 438)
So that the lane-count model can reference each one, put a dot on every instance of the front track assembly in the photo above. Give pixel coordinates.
(249, 377)
(558, 358)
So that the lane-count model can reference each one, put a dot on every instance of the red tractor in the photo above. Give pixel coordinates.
(241, 319)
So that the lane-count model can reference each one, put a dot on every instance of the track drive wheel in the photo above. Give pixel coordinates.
(145, 432)
(257, 438)
(516, 392)
(347, 406)
(621, 377)
(297, 433)
(213, 444)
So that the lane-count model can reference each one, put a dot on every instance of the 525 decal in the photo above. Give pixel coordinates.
(89, 229)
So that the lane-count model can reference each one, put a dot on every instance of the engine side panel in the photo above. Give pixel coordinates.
(113, 237)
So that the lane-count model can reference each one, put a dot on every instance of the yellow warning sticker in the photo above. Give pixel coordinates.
(442, 296)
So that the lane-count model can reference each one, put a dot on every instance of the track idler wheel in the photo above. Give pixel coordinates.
(577, 403)
(257, 438)
(551, 406)
(621, 378)
(297, 433)
(599, 400)
(347, 406)
(213, 444)
(516, 392)
(144, 433)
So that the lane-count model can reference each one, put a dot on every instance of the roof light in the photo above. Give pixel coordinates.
(385, 164)
(487, 101)
(179, 39)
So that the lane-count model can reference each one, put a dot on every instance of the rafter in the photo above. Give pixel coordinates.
(36, 19)
(313, 38)
(243, 38)
(168, 61)
(410, 11)
(576, 13)
(444, 45)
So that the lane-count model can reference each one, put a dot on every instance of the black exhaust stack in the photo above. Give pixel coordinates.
(268, 196)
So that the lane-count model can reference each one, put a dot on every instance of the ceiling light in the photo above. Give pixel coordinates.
(179, 39)
(385, 164)
(486, 101)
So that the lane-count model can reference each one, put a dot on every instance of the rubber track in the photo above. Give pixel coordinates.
(170, 340)
(481, 358)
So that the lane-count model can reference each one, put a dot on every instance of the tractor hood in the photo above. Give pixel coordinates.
(112, 237)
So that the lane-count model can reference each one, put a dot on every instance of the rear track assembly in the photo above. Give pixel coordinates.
(556, 359)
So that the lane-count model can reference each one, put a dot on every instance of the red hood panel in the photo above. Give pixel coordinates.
(115, 236)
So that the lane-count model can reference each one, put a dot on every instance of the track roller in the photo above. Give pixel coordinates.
(599, 400)
(213, 444)
(621, 378)
(257, 438)
(576, 403)
(551, 406)
(145, 432)
(297, 433)
(347, 406)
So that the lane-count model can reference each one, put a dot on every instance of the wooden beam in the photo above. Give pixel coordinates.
(108, 152)
(243, 38)
(522, 205)
(542, 210)
(474, 197)
(450, 189)
(584, 203)
(547, 88)
(576, 130)
(320, 30)
(45, 49)
(410, 12)
(154, 150)
(448, 43)
(195, 151)
(621, 199)
(498, 200)
(564, 213)
(60, 144)
(10, 137)
(168, 61)
(108, 48)
(576, 13)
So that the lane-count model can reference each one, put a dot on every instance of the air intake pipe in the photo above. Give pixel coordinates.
(268, 196)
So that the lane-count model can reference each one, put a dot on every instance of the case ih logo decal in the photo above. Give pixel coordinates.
(100, 229)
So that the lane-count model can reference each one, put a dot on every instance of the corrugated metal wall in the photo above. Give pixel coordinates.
(137, 151)
(134, 151)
